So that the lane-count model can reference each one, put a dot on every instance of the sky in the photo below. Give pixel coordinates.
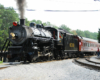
(74, 20)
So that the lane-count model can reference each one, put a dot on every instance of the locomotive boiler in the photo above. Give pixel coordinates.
(18, 34)
(29, 43)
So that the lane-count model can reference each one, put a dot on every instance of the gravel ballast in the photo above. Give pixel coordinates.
(54, 70)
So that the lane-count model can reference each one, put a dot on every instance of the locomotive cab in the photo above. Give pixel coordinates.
(57, 34)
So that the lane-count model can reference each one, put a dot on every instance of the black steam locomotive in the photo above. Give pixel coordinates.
(37, 42)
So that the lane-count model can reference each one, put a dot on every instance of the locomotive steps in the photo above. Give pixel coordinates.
(90, 62)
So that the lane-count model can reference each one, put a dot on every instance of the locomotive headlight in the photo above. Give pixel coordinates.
(13, 35)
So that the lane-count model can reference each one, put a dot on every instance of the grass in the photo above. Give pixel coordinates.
(1, 62)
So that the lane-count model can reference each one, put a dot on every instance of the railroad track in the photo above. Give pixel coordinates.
(9, 64)
(87, 62)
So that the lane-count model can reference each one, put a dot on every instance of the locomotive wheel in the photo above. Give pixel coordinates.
(51, 58)
(31, 60)
(41, 59)
(38, 60)
(75, 55)
(58, 57)
(62, 54)
(48, 58)
(14, 59)
(44, 58)
(51, 55)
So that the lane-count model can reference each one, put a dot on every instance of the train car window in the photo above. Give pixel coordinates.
(61, 35)
(93, 45)
(88, 44)
(54, 33)
(84, 44)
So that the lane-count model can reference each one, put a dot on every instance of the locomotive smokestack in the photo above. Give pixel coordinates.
(21, 6)
(22, 21)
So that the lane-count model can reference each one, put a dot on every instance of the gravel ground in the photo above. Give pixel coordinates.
(55, 70)
(95, 59)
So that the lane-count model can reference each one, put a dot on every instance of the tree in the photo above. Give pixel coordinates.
(7, 17)
(74, 32)
(44, 23)
(33, 21)
(88, 34)
(38, 22)
(27, 22)
(54, 26)
(65, 27)
(47, 24)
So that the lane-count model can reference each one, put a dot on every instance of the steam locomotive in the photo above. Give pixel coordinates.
(37, 42)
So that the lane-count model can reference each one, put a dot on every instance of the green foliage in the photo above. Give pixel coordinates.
(27, 22)
(44, 23)
(80, 33)
(74, 32)
(54, 26)
(7, 17)
(65, 27)
(37, 21)
(1, 62)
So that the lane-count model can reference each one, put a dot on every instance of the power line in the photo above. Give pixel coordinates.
(75, 2)
(71, 10)
(61, 10)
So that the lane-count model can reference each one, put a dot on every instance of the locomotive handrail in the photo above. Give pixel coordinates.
(3, 52)
(4, 45)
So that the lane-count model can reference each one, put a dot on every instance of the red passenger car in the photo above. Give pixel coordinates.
(87, 45)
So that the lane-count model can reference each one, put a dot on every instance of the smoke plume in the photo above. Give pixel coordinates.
(21, 6)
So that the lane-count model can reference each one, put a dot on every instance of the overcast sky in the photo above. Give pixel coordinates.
(74, 20)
